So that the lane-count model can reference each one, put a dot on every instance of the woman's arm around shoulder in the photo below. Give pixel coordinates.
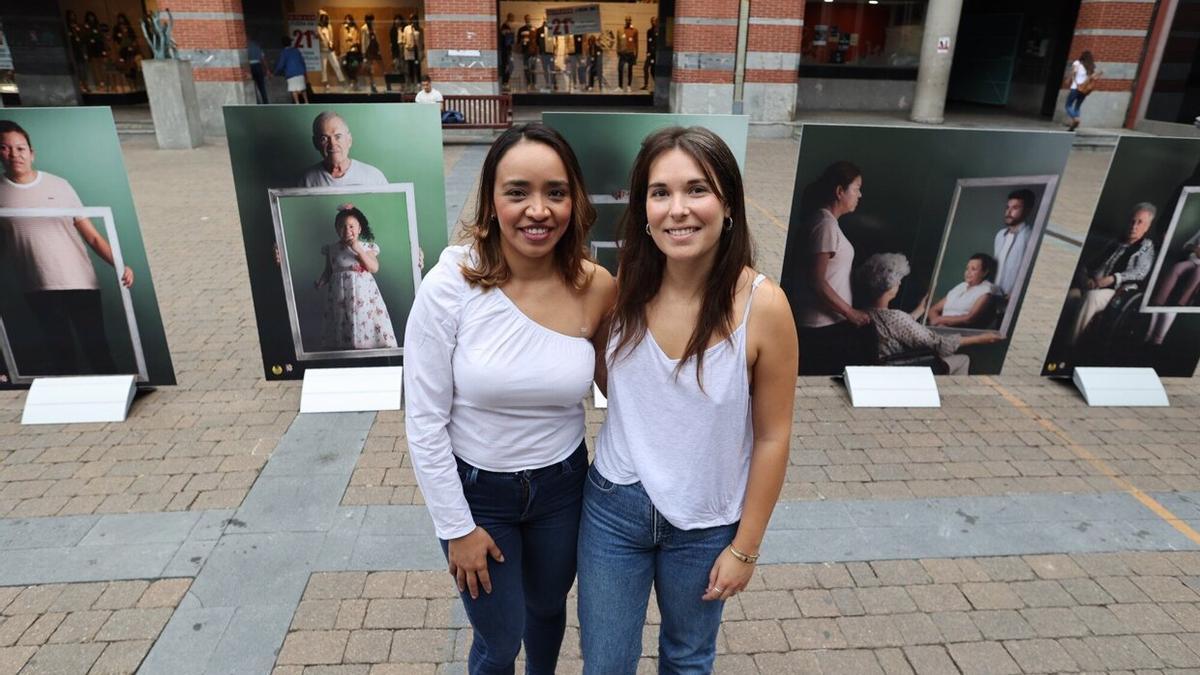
(601, 298)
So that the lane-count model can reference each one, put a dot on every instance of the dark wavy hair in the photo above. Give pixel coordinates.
(490, 268)
(11, 127)
(640, 273)
(365, 232)
(989, 264)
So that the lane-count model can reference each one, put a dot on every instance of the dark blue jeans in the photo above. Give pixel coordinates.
(1074, 102)
(533, 516)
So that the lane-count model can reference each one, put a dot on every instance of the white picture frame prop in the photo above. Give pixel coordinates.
(1188, 194)
(892, 387)
(1038, 222)
(79, 400)
(104, 214)
(351, 389)
(408, 190)
(1125, 387)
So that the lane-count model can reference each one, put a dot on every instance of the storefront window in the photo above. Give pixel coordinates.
(360, 46)
(1175, 96)
(861, 35)
(8, 84)
(105, 44)
(567, 48)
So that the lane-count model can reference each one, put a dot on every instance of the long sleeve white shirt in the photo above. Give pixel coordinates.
(486, 384)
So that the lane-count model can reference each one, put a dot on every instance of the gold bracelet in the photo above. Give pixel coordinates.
(748, 559)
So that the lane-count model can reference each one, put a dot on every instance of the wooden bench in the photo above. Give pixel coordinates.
(482, 111)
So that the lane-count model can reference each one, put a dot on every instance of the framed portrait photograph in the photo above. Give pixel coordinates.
(350, 262)
(77, 297)
(1175, 282)
(47, 331)
(987, 253)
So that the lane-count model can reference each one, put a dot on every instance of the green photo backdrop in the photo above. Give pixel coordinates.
(271, 146)
(80, 145)
(909, 176)
(308, 225)
(1143, 169)
(607, 144)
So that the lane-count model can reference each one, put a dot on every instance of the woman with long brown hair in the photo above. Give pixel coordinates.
(1082, 80)
(700, 371)
(497, 359)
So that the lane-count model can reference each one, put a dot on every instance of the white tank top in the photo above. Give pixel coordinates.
(689, 448)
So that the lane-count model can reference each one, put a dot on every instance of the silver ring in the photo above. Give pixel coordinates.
(719, 590)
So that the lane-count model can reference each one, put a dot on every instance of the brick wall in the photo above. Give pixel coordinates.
(1115, 32)
(459, 25)
(216, 27)
(706, 29)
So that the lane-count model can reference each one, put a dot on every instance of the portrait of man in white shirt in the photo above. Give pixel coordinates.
(1012, 240)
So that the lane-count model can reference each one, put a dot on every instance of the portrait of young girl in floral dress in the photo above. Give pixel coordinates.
(355, 316)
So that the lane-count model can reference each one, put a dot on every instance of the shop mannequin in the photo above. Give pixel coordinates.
(545, 43)
(395, 35)
(627, 49)
(526, 46)
(352, 55)
(371, 51)
(651, 52)
(412, 49)
(329, 57)
(78, 46)
(97, 50)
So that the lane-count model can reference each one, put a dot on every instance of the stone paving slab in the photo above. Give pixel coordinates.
(63, 629)
(1017, 614)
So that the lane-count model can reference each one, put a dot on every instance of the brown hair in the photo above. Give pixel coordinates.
(1088, 61)
(489, 268)
(642, 263)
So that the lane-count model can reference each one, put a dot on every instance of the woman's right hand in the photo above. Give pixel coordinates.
(859, 319)
(468, 556)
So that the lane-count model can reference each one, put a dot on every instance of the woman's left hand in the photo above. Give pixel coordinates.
(127, 278)
(728, 577)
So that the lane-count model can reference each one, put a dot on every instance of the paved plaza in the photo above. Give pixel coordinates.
(1012, 530)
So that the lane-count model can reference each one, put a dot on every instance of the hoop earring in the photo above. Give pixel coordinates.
(647, 228)
(728, 223)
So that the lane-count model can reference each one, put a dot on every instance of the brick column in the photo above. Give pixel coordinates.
(212, 35)
(772, 60)
(462, 26)
(702, 69)
(1116, 32)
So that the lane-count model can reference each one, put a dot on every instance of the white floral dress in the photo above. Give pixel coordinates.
(355, 316)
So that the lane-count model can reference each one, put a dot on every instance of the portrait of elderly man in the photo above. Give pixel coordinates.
(332, 138)
(1123, 264)
(1012, 240)
(877, 283)
(50, 255)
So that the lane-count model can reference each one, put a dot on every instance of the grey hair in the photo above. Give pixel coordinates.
(881, 273)
(1147, 207)
(324, 117)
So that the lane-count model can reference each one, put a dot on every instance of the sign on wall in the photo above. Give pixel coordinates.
(573, 20)
(303, 30)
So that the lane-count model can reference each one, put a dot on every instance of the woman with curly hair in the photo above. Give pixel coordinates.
(355, 315)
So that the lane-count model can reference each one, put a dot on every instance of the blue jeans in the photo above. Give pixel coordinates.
(624, 545)
(533, 516)
(1074, 102)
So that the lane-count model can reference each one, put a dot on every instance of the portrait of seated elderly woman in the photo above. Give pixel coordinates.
(1120, 269)
(877, 282)
(970, 304)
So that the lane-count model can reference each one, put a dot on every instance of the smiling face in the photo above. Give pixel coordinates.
(16, 155)
(333, 140)
(975, 272)
(685, 215)
(348, 229)
(1014, 212)
(532, 200)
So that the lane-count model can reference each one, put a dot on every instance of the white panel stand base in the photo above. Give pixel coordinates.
(1132, 387)
(599, 401)
(351, 389)
(74, 400)
(892, 387)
